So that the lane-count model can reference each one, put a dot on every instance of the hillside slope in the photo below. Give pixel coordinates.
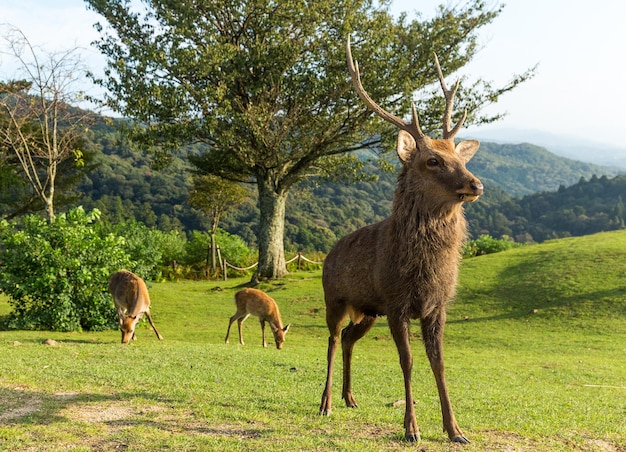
(581, 280)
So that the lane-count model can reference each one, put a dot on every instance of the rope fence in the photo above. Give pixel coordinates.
(226, 265)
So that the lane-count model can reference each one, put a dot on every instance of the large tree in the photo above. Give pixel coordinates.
(263, 83)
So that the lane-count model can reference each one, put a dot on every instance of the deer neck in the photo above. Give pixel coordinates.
(424, 230)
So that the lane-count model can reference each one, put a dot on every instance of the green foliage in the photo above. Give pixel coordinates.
(583, 208)
(143, 246)
(485, 244)
(232, 248)
(56, 273)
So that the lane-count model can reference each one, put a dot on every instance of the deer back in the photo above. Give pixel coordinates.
(258, 303)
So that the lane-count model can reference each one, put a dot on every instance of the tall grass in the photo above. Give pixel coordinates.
(535, 354)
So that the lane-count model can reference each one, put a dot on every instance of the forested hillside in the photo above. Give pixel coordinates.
(563, 197)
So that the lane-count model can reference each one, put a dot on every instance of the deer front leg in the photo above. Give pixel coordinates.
(263, 333)
(432, 333)
(153, 326)
(239, 325)
(349, 336)
(400, 331)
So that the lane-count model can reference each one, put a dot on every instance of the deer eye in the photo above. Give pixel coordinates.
(432, 162)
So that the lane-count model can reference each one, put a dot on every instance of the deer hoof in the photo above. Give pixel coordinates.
(325, 412)
(460, 440)
(412, 437)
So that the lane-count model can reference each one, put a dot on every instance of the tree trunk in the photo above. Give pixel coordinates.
(271, 232)
(213, 253)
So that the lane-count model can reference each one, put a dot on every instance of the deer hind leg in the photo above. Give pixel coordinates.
(400, 331)
(350, 334)
(432, 333)
(335, 315)
(158, 335)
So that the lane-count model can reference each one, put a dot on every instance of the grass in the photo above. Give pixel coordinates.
(535, 355)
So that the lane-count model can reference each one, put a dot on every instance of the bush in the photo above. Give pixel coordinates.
(485, 244)
(56, 273)
(232, 248)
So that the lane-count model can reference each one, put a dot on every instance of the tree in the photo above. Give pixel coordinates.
(37, 122)
(263, 84)
(214, 196)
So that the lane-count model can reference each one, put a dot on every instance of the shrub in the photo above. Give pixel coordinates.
(232, 248)
(56, 273)
(485, 244)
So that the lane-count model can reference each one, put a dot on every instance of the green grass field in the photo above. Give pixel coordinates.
(535, 353)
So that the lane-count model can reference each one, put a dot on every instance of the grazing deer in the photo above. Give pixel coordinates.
(404, 267)
(132, 301)
(260, 304)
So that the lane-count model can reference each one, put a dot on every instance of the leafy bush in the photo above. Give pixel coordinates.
(485, 244)
(56, 273)
(232, 248)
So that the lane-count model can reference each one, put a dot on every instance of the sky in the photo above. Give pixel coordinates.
(579, 46)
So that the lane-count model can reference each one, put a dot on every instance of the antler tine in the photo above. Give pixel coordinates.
(449, 95)
(353, 67)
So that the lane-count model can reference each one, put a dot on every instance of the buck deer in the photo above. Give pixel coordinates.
(260, 304)
(404, 267)
(132, 301)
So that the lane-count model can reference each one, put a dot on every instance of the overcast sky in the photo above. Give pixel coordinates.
(578, 44)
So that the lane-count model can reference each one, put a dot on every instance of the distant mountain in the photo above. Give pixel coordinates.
(125, 186)
(566, 146)
(522, 169)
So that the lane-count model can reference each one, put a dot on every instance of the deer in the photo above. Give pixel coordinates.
(258, 303)
(404, 267)
(132, 301)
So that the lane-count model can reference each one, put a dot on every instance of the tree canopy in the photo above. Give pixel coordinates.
(263, 85)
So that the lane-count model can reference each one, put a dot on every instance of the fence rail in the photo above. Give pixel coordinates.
(226, 265)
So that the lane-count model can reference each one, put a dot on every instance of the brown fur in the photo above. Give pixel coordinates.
(404, 267)
(258, 303)
(132, 301)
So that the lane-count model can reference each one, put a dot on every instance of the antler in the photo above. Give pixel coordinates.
(449, 95)
(413, 128)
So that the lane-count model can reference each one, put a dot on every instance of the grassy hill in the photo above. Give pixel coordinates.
(535, 355)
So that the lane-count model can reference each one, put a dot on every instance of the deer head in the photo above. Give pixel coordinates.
(441, 163)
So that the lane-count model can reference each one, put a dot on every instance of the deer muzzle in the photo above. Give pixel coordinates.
(471, 192)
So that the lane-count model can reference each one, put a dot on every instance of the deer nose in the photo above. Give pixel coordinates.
(476, 187)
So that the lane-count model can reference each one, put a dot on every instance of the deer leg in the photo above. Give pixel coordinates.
(263, 333)
(350, 334)
(400, 331)
(334, 318)
(153, 327)
(432, 332)
(239, 324)
(230, 323)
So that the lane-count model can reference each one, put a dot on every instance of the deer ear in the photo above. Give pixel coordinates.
(406, 145)
(285, 329)
(467, 149)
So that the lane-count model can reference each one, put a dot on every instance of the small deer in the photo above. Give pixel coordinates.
(132, 301)
(260, 304)
(404, 267)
